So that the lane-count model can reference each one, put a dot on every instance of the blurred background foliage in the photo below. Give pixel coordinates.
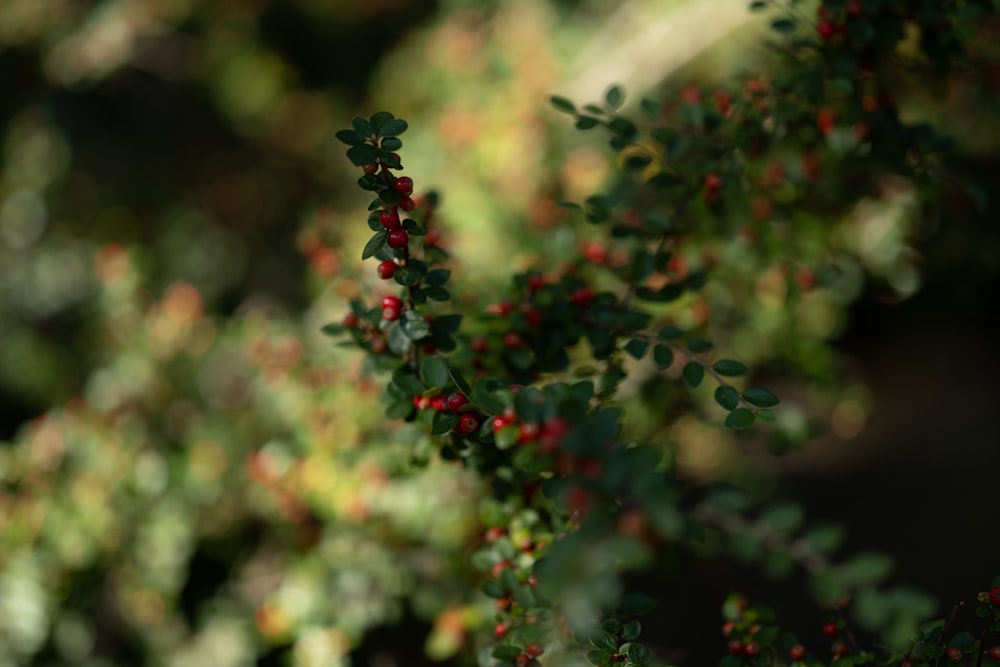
(190, 475)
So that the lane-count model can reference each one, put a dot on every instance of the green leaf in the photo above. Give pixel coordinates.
(362, 154)
(460, 381)
(406, 276)
(438, 277)
(447, 324)
(636, 653)
(631, 630)
(760, 397)
(482, 395)
(729, 499)
(586, 122)
(350, 137)
(390, 159)
(964, 641)
(758, 5)
(437, 293)
(698, 345)
(783, 25)
(784, 517)
(740, 418)
(637, 348)
(669, 332)
(443, 423)
(390, 196)
(868, 568)
(375, 243)
(362, 127)
(393, 128)
(663, 356)
(727, 397)
(766, 416)
(729, 368)
(614, 96)
(693, 374)
(414, 325)
(407, 383)
(434, 372)
(333, 329)
(391, 144)
(824, 538)
(599, 657)
(398, 409)
(562, 104)
(379, 119)
(636, 604)
(492, 588)
(509, 653)
(636, 162)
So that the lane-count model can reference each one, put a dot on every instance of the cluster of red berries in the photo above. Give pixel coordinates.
(468, 421)
(713, 183)
(830, 24)
(548, 434)
(397, 238)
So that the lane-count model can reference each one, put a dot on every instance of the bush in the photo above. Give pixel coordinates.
(555, 458)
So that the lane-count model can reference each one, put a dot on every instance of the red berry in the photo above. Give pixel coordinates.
(582, 296)
(479, 344)
(500, 421)
(826, 30)
(502, 309)
(722, 101)
(995, 596)
(389, 218)
(535, 281)
(379, 345)
(391, 314)
(735, 647)
(467, 423)
(512, 339)
(403, 185)
(499, 567)
(407, 203)
(797, 652)
(371, 167)
(532, 580)
(691, 94)
(432, 237)
(535, 649)
(439, 403)
(713, 181)
(995, 653)
(830, 629)
(825, 120)
(398, 238)
(456, 400)
(493, 533)
(386, 269)
(523, 660)
(392, 302)
(954, 653)
(751, 649)
(500, 630)
(529, 432)
(350, 320)
(853, 8)
(840, 649)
